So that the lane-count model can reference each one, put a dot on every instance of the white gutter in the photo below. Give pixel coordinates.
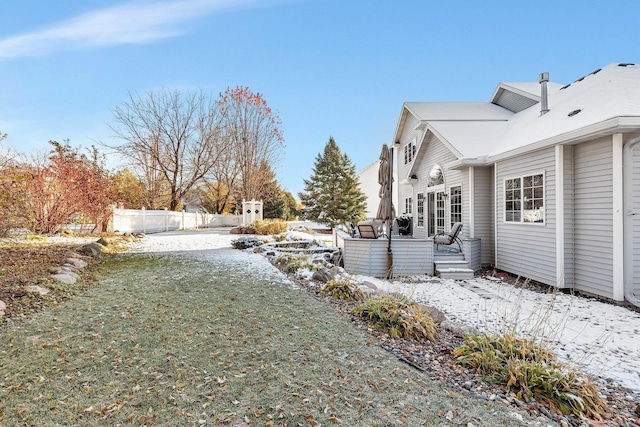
(619, 124)
(468, 162)
(629, 213)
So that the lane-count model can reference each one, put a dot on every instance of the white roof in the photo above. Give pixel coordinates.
(476, 129)
(448, 111)
(612, 92)
(470, 139)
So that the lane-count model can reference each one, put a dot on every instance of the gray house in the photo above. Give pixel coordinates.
(545, 178)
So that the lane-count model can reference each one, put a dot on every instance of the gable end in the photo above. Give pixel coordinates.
(512, 101)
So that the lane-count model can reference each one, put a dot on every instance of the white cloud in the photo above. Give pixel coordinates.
(123, 24)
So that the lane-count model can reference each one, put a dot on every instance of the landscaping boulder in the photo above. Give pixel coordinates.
(64, 271)
(458, 329)
(369, 285)
(336, 258)
(64, 278)
(368, 292)
(322, 275)
(91, 249)
(77, 263)
(436, 315)
(35, 289)
(102, 241)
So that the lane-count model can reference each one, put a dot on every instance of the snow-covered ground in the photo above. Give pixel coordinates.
(595, 337)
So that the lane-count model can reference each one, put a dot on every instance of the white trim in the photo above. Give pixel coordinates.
(448, 195)
(495, 214)
(472, 211)
(424, 213)
(544, 200)
(560, 266)
(410, 151)
(586, 133)
(410, 205)
(618, 219)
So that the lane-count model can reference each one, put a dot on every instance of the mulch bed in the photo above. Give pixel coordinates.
(436, 360)
(23, 265)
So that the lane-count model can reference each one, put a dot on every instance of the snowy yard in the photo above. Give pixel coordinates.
(595, 337)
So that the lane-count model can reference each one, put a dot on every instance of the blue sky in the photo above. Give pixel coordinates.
(328, 67)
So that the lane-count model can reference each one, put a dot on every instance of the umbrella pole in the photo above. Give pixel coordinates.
(389, 219)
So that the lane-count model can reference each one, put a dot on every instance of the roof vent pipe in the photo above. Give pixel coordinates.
(544, 98)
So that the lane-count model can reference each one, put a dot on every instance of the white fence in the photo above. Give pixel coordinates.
(156, 221)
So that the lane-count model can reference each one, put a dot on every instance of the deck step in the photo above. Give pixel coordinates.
(456, 273)
(440, 264)
(448, 257)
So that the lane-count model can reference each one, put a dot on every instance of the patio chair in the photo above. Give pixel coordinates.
(367, 230)
(449, 238)
(352, 230)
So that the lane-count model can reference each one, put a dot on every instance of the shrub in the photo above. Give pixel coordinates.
(290, 263)
(532, 371)
(399, 317)
(343, 289)
(246, 242)
(270, 227)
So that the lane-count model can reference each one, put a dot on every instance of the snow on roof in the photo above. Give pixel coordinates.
(470, 138)
(613, 91)
(477, 129)
(477, 111)
(528, 89)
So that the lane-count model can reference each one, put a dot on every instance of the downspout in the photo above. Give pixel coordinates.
(628, 221)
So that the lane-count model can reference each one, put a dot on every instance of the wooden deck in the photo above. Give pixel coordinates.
(368, 257)
(411, 257)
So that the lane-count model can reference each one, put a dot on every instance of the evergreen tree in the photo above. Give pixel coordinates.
(332, 194)
(290, 207)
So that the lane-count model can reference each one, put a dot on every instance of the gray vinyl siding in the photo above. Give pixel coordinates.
(471, 251)
(369, 256)
(528, 250)
(569, 213)
(483, 199)
(593, 221)
(636, 221)
(436, 153)
(404, 191)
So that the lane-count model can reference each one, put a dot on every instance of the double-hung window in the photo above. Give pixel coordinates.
(524, 199)
(456, 204)
(408, 205)
(420, 219)
(409, 152)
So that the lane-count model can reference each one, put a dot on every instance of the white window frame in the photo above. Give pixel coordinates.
(451, 204)
(420, 209)
(408, 206)
(522, 200)
(410, 151)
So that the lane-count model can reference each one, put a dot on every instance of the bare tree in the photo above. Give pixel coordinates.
(12, 194)
(252, 131)
(171, 139)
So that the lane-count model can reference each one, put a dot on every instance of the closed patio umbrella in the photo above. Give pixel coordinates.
(386, 211)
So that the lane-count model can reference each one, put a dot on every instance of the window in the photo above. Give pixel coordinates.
(456, 204)
(420, 222)
(408, 205)
(409, 152)
(524, 199)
